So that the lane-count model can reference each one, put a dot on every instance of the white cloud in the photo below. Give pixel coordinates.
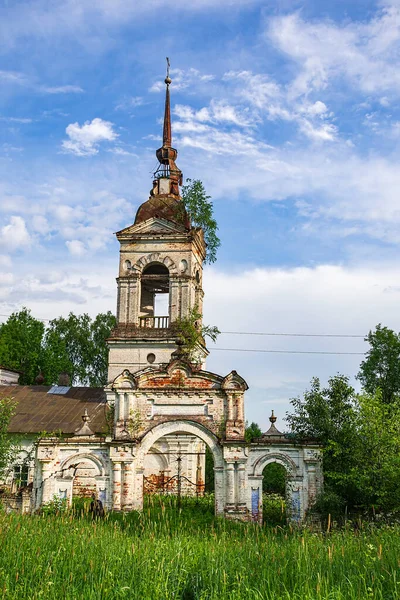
(6, 279)
(324, 132)
(269, 100)
(364, 53)
(15, 235)
(84, 140)
(258, 89)
(218, 111)
(214, 141)
(318, 108)
(75, 247)
(5, 261)
(183, 79)
(22, 120)
(129, 102)
(40, 224)
(62, 89)
(13, 77)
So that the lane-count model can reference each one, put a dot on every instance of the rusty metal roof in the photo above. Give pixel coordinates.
(38, 411)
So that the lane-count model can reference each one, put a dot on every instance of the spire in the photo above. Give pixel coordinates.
(167, 134)
(165, 200)
(166, 155)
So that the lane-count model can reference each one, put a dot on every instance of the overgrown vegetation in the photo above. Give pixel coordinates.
(191, 333)
(201, 214)
(166, 554)
(359, 433)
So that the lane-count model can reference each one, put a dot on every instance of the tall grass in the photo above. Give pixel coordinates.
(165, 554)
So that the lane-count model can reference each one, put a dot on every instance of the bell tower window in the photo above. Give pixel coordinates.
(154, 296)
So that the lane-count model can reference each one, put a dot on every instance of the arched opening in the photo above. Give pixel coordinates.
(79, 478)
(84, 482)
(175, 466)
(274, 494)
(154, 296)
(180, 447)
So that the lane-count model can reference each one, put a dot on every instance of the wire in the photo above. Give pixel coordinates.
(329, 335)
(287, 351)
(262, 333)
(34, 317)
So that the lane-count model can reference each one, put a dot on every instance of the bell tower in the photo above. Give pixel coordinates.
(160, 270)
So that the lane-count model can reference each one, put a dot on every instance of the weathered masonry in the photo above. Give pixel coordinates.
(160, 402)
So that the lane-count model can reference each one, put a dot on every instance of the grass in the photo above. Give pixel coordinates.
(165, 554)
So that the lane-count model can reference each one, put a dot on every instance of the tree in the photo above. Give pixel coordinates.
(21, 348)
(200, 211)
(377, 472)
(252, 432)
(381, 368)
(329, 416)
(77, 345)
(8, 446)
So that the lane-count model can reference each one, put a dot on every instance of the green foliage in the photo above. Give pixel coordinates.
(377, 448)
(209, 471)
(55, 506)
(110, 417)
(80, 506)
(381, 368)
(329, 416)
(135, 423)
(21, 344)
(75, 345)
(330, 505)
(274, 479)
(188, 554)
(274, 509)
(200, 211)
(191, 332)
(360, 435)
(252, 432)
(8, 445)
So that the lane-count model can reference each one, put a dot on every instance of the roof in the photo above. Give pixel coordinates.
(2, 367)
(39, 411)
(163, 206)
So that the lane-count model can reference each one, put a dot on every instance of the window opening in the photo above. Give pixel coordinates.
(154, 298)
(21, 475)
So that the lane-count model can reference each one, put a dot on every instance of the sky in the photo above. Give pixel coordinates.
(288, 111)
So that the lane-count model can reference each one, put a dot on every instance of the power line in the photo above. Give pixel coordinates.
(326, 335)
(34, 317)
(287, 351)
(276, 334)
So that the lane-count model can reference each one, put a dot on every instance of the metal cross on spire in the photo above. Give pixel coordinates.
(167, 78)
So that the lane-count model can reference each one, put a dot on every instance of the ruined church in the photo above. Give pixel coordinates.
(149, 428)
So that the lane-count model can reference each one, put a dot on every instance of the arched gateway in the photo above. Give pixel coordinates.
(157, 391)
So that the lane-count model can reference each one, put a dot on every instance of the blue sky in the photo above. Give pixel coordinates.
(287, 111)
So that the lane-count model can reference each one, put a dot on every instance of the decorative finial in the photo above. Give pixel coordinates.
(168, 79)
(85, 428)
(272, 418)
